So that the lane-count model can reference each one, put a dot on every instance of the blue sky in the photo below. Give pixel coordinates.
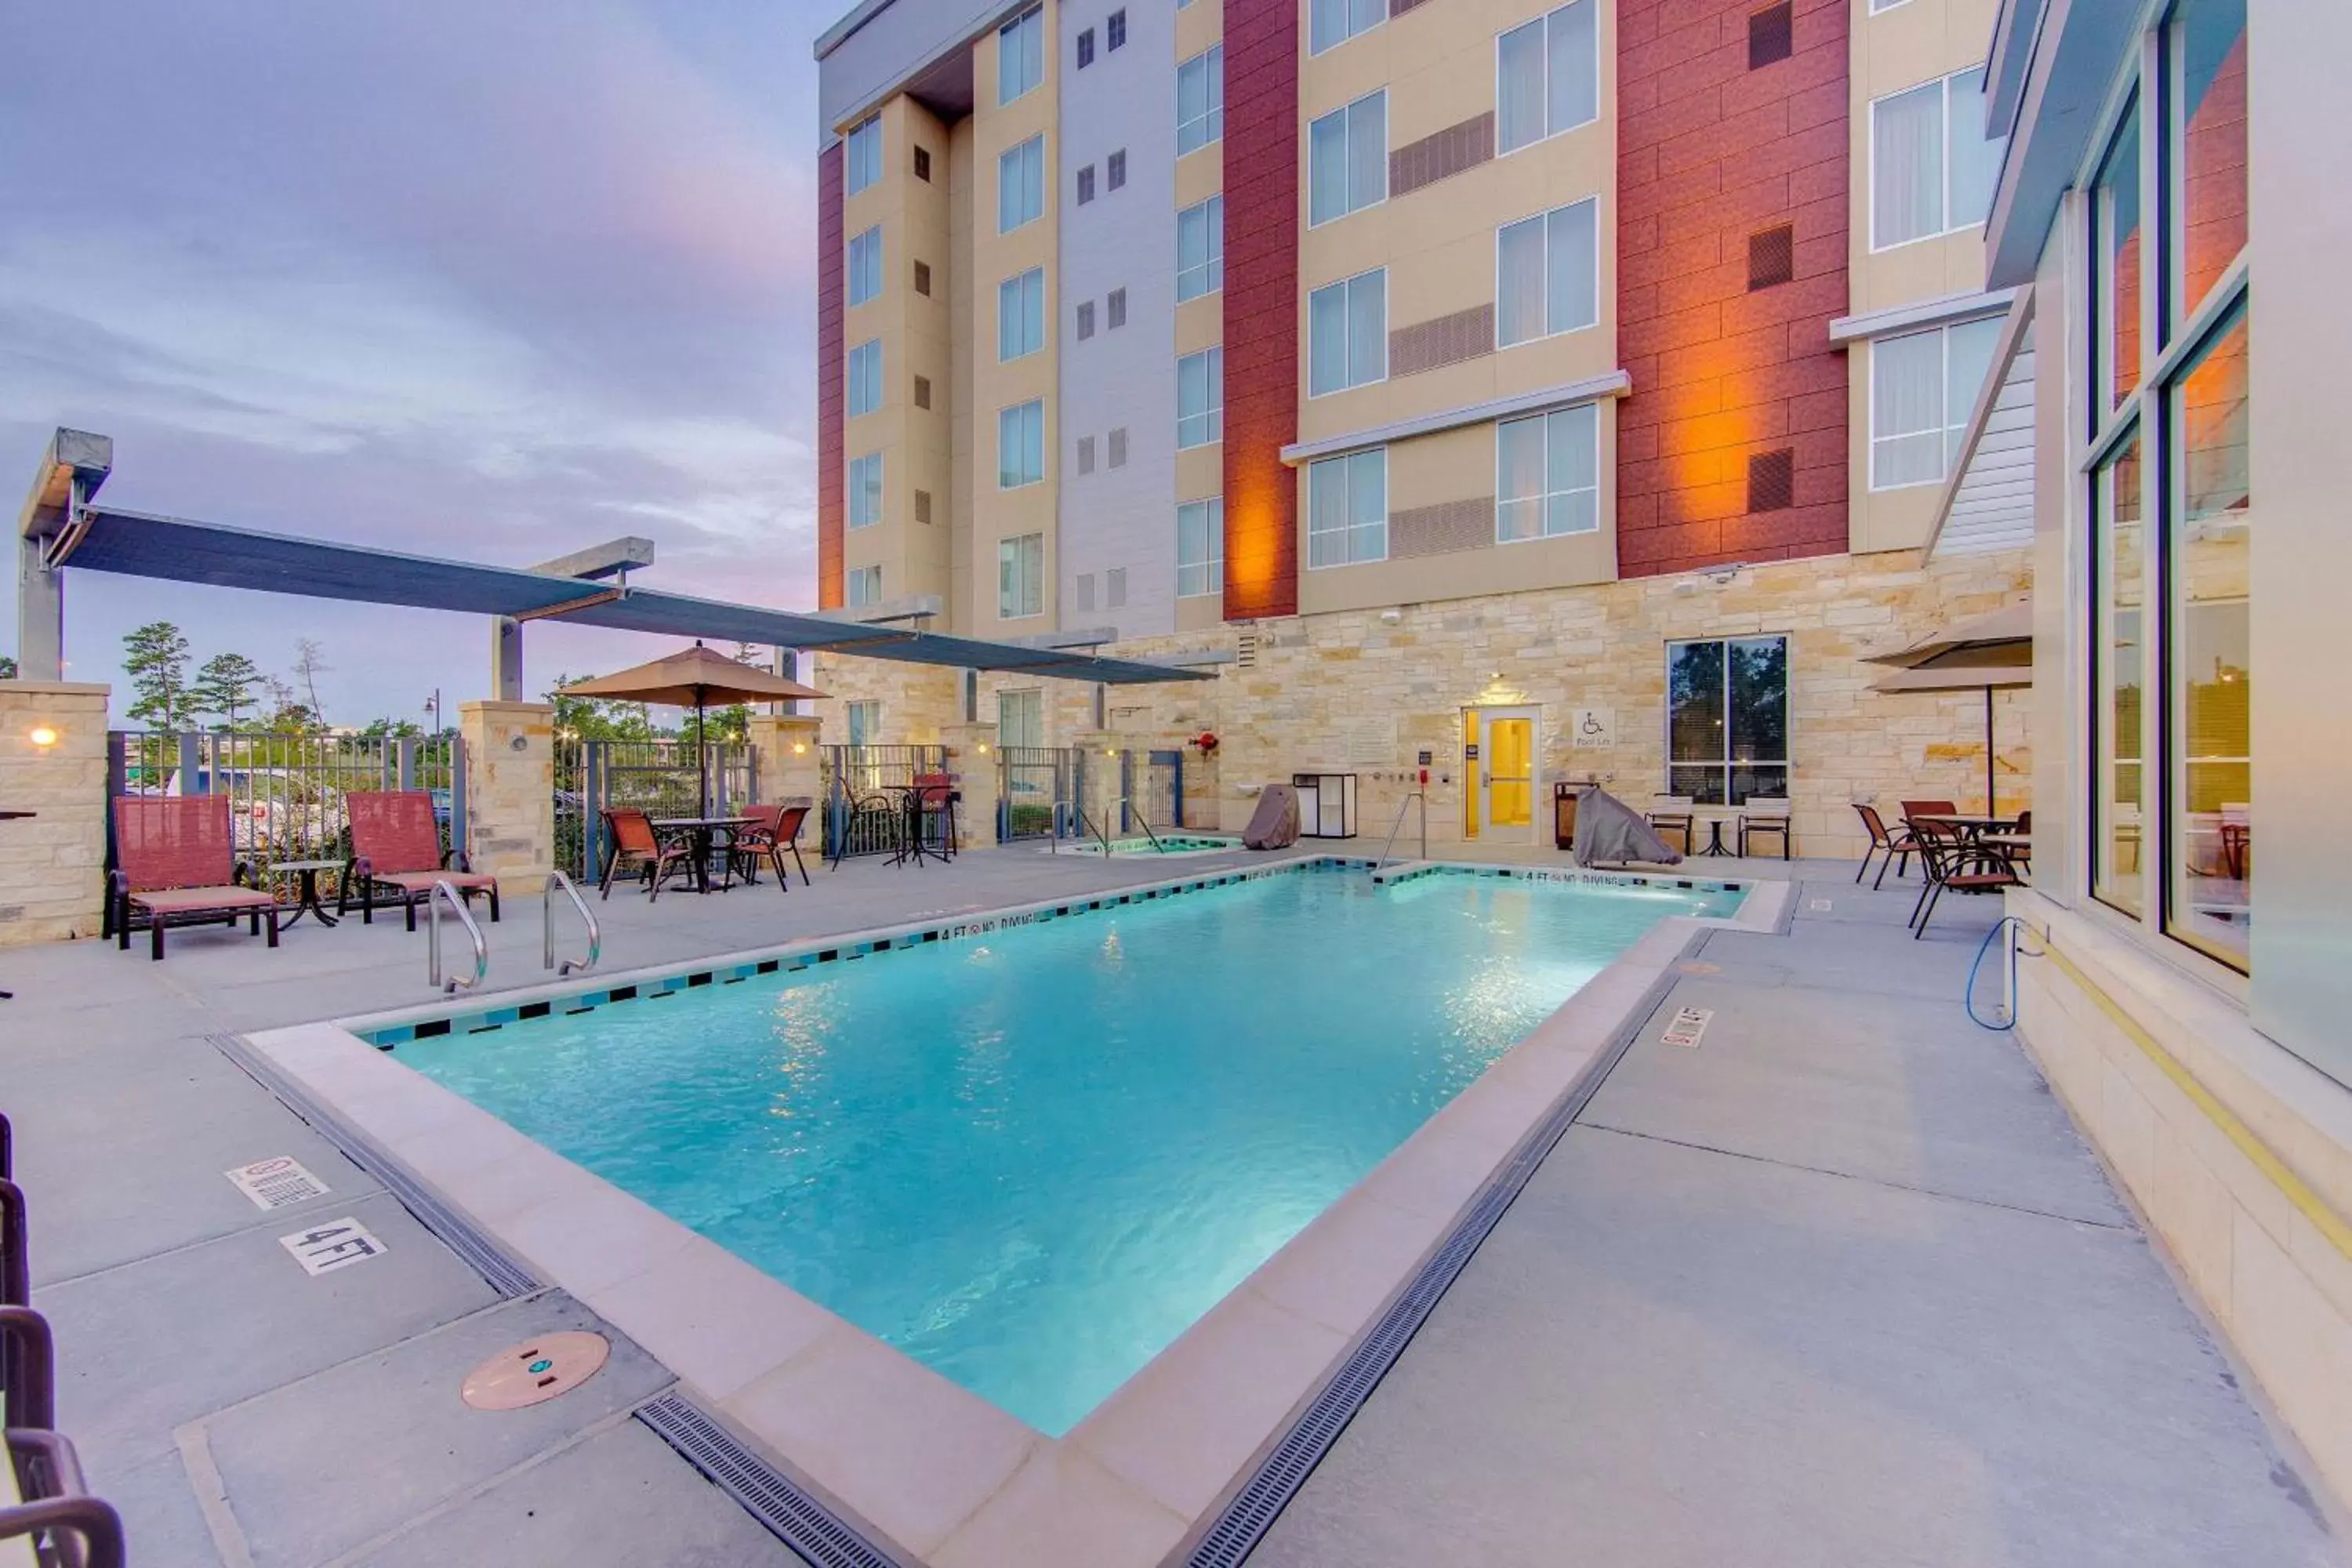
(491, 282)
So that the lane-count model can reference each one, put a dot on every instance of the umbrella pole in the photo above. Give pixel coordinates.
(1990, 809)
(702, 750)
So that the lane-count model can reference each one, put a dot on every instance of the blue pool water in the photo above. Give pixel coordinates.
(1031, 1159)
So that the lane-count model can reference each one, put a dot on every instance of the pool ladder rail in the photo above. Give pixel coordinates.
(444, 893)
(1088, 829)
(1399, 827)
(570, 966)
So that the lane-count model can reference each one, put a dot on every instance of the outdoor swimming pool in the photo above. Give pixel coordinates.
(1031, 1158)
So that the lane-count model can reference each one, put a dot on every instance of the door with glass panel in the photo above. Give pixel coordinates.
(1504, 771)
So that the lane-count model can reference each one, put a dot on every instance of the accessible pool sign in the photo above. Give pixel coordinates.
(277, 1183)
(1689, 1024)
(335, 1244)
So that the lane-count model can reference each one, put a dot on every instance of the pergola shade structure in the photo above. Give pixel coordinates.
(63, 527)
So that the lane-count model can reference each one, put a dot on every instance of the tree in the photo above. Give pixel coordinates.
(225, 685)
(392, 729)
(7, 668)
(309, 663)
(293, 719)
(155, 657)
(587, 718)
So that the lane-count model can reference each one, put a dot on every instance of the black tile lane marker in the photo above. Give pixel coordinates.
(535, 1010)
(432, 1027)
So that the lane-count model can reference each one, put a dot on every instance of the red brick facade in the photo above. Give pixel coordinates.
(830, 480)
(1261, 308)
(1709, 152)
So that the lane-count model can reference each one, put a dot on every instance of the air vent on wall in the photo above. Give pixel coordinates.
(1771, 256)
(922, 162)
(922, 392)
(922, 277)
(922, 506)
(1245, 652)
(1772, 35)
(1772, 480)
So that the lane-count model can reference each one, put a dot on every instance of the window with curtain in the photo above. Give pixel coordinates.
(1021, 718)
(1200, 99)
(1020, 54)
(1201, 548)
(1547, 474)
(861, 162)
(1348, 333)
(1932, 168)
(1546, 272)
(865, 490)
(863, 720)
(2119, 673)
(1347, 159)
(1021, 444)
(1334, 22)
(1021, 185)
(1021, 576)
(861, 369)
(861, 586)
(1200, 250)
(1922, 387)
(1547, 76)
(1347, 509)
(865, 268)
(1020, 314)
(1727, 720)
(1200, 398)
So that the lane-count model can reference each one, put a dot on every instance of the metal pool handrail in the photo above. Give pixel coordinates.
(547, 927)
(1145, 823)
(1399, 827)
(443, 893)
(1101, 831)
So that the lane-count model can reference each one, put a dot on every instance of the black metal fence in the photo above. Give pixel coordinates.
(858, 799)
(1036, 785)
(660, 778)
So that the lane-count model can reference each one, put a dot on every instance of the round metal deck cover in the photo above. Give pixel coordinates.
(535, 1371)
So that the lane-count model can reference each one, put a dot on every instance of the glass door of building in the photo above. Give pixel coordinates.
(1503, 768)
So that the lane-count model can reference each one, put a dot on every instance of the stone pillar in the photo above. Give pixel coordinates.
(511, 788)
(790, 764)
(1106, 754)
(52, 763)
(972, 758)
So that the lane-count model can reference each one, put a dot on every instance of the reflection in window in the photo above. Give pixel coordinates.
(2210, 199)
(2119, 653)
(1547, 76)
(1547, 474)
(1727, 720)
(1923, 388)
(2208, 654)
(1200, 99)
(1201, 548)
(1347, 509)
(2115, 210)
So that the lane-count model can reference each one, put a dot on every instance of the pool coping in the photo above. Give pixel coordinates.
(931, 1472)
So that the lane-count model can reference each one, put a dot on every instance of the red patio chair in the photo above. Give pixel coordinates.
(175, 864)
(1912, 808)
(634, 840)
(396, 848)
(773, 831)
(1950, 859)
(1898, 845)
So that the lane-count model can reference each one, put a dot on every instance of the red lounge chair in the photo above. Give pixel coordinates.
(175, 864)
(773, 831)
(634, 840)
(396, 857)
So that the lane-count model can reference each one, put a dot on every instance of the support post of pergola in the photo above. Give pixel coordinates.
(75, 464)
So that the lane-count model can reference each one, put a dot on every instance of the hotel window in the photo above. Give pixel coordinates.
(1085, 455)
(1085, 320)
(1114, 30)
(1021, 577)
(1115, 447)
(1021, 444)
(862, 372)
(2209, 54)
(865, 265)
(2115, 288)
(865, 719)
(1115, 169)
(1347, 159)
(1114, 588)
(1727, 720)
(861, 159)
(1547, 271)
(1086, 591)
(1201, 548)
(1021, 185)
(862, 587)
(1932, 166)
(1085, 49)
(1348, 333)
(1347, 509)
(1200, 250)
(1021, 718)
(1020, 314)
(1085, 185)
(1922, 387)
(1336, 21)
(1200, 99)
(2118, 671)
(865, 490)
(1020, 54)
(1115, 308)
(1547, 474)
(1200, 398)
(1547, 76)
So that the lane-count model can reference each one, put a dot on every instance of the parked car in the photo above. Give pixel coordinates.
(278, 808)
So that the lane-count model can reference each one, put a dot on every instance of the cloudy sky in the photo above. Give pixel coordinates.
(494, 281)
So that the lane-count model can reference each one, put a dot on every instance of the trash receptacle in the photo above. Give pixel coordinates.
(1563, 814)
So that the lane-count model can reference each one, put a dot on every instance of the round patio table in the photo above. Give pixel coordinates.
(306, 891)
(14, 816)
(705, 831)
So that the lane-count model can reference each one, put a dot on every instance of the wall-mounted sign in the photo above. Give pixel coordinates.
(1594, 729)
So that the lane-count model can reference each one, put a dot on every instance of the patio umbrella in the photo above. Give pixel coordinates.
(692, 678)
(1989, 652)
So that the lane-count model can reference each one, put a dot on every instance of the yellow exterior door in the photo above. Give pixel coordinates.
(1510, 771)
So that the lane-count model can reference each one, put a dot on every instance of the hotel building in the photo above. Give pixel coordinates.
(1542, 390)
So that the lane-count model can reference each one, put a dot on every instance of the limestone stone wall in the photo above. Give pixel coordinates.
(52, 763)
(510, 791)
(1369, 691)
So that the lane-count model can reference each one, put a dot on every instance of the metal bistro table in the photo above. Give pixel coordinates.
(1715, 845)
(305, 892)
(1981, 835)
(14, 816)
(705, 831)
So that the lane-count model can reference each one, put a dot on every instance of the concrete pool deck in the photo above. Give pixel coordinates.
(241, 1412)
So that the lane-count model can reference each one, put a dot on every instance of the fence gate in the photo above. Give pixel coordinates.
(1154, 791)
(858, 781)
(660, 778)
(1037, 789)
